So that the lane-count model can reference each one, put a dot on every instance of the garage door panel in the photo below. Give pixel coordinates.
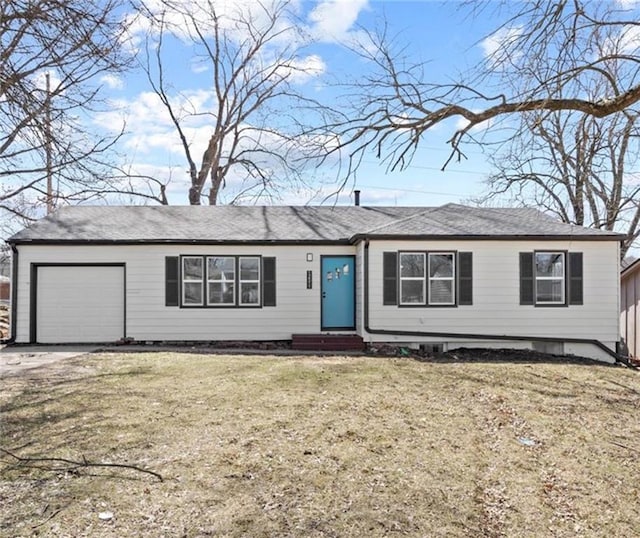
(80, 304)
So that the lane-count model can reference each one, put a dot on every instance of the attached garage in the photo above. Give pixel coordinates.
(78, 303)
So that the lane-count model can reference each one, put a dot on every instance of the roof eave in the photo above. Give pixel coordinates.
(487, 237)
(341, 241)
(76, 242)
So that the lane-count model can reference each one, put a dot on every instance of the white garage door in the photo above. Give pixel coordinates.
(80, 304)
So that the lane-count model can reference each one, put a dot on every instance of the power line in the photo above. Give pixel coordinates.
(410, 190)
(422, 167)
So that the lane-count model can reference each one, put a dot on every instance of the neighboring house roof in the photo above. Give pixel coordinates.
(628, 266)
(626, 262)
(212, 224)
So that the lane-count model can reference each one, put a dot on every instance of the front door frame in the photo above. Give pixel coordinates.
(322, 258)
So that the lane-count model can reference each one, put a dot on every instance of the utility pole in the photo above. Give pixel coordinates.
(47, 145)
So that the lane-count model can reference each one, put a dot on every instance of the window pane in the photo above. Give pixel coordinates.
(441, 265)
(221, 293)
(249, 293)
(549, 291)
(222, 268)
(412, 291)
(192, 268)
(550, 264)
(411, 265)
(249, 268)
(441, 292)
(192, 293)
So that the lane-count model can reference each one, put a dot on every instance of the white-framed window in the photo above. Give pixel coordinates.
(549, 275)
(249, 281)
(192, 280)
(412, 278)
(221, 280)
(442, 273)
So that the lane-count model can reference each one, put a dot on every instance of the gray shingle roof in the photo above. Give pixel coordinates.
(629, 265)
(291, 224)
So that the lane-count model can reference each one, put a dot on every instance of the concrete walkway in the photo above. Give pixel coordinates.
(17, 359)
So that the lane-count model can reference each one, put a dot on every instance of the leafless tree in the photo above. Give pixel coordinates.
(69, 44)
(579, 168)
(549, 48)
(253, 52)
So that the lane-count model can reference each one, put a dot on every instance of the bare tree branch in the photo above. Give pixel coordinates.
(540, 43)
(72, 464)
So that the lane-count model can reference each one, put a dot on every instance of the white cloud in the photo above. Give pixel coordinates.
(149, 126)
(628, 4)
(631, 178)
(113, 81)
(40, 80)
(301, 70)
(627, 42)
(333, 20)
(199, 66)
(496, 44)
(328, 21)
(461, 123)
(180, 16)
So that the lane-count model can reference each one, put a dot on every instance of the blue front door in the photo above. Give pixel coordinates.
(338, 293)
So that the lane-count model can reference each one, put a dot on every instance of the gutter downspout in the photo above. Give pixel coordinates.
(367, 328)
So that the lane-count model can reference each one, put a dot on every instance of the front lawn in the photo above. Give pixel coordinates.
(320, 446)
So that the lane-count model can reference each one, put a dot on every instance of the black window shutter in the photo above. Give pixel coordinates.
(526, 278)
(575, 278)
(171, 281)
(465, 278)
(389, 278)
(268, 282)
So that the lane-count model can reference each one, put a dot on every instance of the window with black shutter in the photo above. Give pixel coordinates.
(171, 281)
(220, 281)
(575, 279)
(268, 282)
(465, 278)
(390, 278)
(422, 278)
(551, 278)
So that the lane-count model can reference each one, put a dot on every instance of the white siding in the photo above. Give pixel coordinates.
(496, 309)
(147, 317)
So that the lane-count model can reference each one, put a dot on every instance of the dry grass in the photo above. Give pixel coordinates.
(266, 446)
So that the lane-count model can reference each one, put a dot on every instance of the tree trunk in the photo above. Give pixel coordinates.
(216, 181)
(194, 195)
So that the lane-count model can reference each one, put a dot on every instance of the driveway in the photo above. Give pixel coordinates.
(15, 360)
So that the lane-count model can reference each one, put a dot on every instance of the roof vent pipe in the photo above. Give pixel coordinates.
(356, 195)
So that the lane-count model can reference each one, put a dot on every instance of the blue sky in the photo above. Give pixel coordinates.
(438, 33)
